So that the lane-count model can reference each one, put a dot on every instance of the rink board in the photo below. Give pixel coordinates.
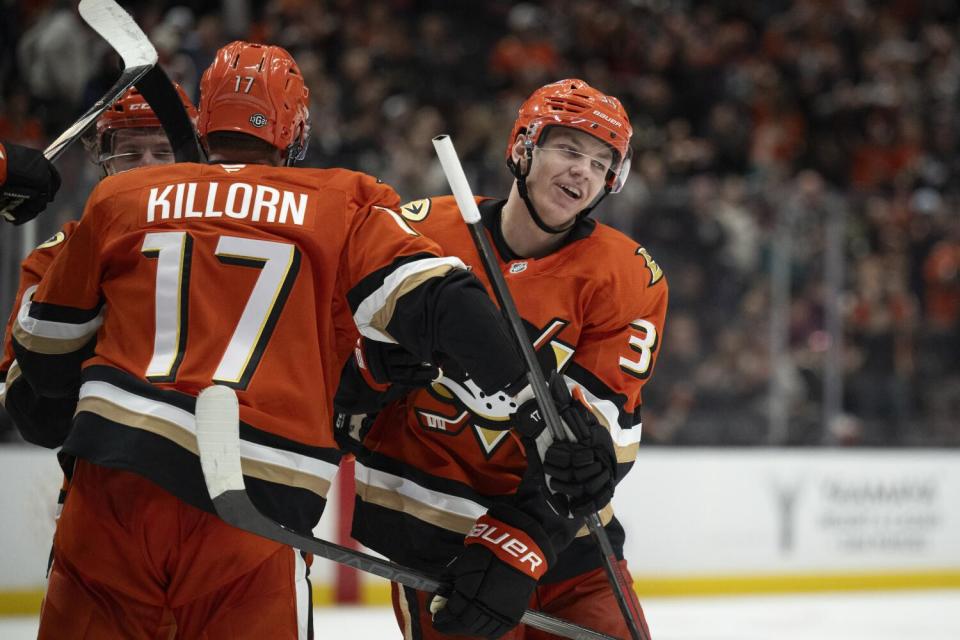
(698, 521)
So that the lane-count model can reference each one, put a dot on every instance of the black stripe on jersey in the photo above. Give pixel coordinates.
(177, 470)
(271, 321)
(188, 403)
(59, 313)
(373, 281)
(404, 538)
(392, 466)
(598, 388)
(417, 544)
(53, 375)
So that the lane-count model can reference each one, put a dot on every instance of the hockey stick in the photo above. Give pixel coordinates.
(218, 440)
(120, 31)
(450, 163)
(109, 20)
(139, 57)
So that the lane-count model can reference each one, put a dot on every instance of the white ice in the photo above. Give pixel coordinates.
(917, 615)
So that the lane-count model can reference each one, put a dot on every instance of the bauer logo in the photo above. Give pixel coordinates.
(258, 120)
(518, 267)
(604, 116)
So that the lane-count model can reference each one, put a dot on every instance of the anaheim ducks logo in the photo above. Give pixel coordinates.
(488, 416)
(416, 210)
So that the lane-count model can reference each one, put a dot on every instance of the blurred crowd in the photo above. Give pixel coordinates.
(764, 132)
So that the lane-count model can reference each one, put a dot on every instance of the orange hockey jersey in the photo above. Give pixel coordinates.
(190, 275)
(434, 461)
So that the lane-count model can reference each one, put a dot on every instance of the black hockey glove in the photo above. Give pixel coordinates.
(581, 469)
(383, 363)
(28, 181)
(377, 374)
(505, 554)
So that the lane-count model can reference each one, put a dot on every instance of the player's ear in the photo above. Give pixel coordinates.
(518, 152)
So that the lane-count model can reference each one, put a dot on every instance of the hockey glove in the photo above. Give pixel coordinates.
(28, 181)
(505, 554)
(581, 468)
(383, 364)
(377, 374)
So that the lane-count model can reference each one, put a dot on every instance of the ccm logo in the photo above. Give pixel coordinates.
(508, 543)
(140, 106)
(604, 116)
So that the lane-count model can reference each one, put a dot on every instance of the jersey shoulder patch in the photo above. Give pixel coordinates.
(656, 273)
(416, 210)
(53, 241)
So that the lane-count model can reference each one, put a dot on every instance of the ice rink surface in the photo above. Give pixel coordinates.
(917, 615)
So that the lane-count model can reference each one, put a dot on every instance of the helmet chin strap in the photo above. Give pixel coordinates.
(525, 196)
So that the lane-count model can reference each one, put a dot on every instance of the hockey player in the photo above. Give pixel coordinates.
(28, 181)
(225, 273)
(126, 135)
(437, 468)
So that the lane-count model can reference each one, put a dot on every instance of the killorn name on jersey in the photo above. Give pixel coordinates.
(238, 200)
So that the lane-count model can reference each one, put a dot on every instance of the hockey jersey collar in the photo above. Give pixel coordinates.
(492, 210)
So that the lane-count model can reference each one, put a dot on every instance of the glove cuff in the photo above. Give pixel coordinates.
(3, 164)
(515, 539)
(363, 366)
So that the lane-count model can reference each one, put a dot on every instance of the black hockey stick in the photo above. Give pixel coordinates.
(138, 55)
(218, 440)
(109, 20)
(450, 163)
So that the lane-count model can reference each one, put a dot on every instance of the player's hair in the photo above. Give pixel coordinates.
(257, 90)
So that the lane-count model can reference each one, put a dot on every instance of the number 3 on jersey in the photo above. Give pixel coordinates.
(278, 263)
(643, 340)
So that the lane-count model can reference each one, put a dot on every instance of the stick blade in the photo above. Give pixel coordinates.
(218, 439)
(116, 26)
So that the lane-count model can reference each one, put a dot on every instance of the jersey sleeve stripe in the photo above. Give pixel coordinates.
(373, 314)
(610, 413)
(374, 280)
(401, 494)
(59, 332)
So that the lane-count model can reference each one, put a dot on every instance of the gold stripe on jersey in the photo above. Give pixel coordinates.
(12, 374)
(628, 453)
(147, 415)
(48, 346)
(158, 426)
(396, 501)
(606, 515)
(374, 313)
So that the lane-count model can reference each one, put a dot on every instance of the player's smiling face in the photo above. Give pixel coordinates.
(569, 170)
